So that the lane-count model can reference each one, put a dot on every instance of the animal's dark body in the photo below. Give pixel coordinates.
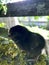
(27, 40)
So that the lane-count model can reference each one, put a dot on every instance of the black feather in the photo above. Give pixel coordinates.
(27, 40)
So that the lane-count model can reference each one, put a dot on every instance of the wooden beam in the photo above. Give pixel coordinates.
(28, 8)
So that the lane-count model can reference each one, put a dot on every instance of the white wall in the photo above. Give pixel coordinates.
(10, 21)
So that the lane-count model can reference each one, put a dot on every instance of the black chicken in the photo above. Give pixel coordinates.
(26, 40)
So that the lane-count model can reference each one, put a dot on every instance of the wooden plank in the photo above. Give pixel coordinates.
(28, 8)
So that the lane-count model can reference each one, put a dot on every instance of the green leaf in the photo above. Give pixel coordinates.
(3, 32)
(36, 17)
(2, 24)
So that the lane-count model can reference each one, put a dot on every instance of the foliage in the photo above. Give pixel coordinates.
(3, 32)
(2, 24)
(10, 54)
(3, 8)
(41, 60)
(37, 17)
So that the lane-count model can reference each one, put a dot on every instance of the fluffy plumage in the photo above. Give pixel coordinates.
(27, 40)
